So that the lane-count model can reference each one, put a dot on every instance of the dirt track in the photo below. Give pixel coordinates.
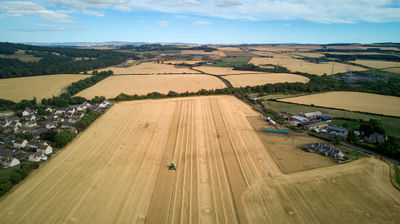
(116, 172)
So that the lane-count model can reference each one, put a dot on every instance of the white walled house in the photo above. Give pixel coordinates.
(45, 149)
(35, 157)
(9, 161)
(20, 143)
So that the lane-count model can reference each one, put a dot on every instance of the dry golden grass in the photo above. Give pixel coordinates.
(310, 55)
(17, 89)
(183, 61)
(216, 53)
(116, 172)
(143, 84)
(286, 149)
(285, 48)
(255, 79)
(394, 70)
(354, 101)
(229, 49)
(150, 68)
(377, 64)
(297, 65)
(221, 70)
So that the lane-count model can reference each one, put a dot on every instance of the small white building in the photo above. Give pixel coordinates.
(6, 113)
(45, 149)
(51, 125)
(30, 124)
(35, 157)
(20, 143)
(28, 111)
(7, 161)
(105, 104)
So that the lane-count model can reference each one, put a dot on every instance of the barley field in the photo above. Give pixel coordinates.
(243, 80)
(143, 84)
(17, 89)
(353, 101)
(149, 68)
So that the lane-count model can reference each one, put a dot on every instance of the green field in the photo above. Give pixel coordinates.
(346, 123)
(392, 125)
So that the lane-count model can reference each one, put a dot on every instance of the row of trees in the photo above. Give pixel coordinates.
(252, 67)
(352, 57)
(86, 120)
(57, 60)
(16, 175)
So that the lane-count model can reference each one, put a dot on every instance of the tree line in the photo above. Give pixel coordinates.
(56, 60)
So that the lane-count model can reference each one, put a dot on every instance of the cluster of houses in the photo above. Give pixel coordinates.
(32, 123)
(327, 150)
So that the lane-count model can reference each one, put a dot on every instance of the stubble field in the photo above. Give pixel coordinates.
(116, 172)
(149, 68)
(243, 80)
(221, 70)
(298, 65)
(17, 89)
(143, 84)
(353, 101)
(378, 64)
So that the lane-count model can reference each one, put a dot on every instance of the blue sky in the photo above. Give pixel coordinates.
(201, 21)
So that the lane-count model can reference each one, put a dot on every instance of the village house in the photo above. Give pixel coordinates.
(37, 157)
(33, 144)
(59, 111)
(104, 104)
(51, 125)
(30, 124)
(8, 161)
(325, 150)
(44, 148)
(20, 143)
(49, 110)
(28, 111)
(375, 138)
(83, 106)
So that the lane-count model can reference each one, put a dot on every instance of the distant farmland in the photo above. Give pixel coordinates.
(244, 80)
(149, 68)
(298, 65)
(353, 101)
(17, 89)
(143, 84)
(117, 172)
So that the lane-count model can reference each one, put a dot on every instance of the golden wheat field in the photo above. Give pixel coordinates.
(182, 61)
(297, 65)
(394, 70)
(17, 89)
(242, 80)
(117, 172)
(150, 68)
(143, 84)
(212, 53)
(221, 70)
(377, 64)
(353, 101)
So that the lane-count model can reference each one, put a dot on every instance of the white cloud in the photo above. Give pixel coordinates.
(46, 28)
(201, 23)
(92, 13)
(320, 11)
(122, 8)
(163, 23)
(20, 8)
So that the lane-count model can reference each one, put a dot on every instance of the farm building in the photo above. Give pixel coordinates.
(324, 118)
(299, 119)
(316, 126)
(311, 114)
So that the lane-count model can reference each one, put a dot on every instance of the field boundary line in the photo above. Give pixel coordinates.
(162, 194)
